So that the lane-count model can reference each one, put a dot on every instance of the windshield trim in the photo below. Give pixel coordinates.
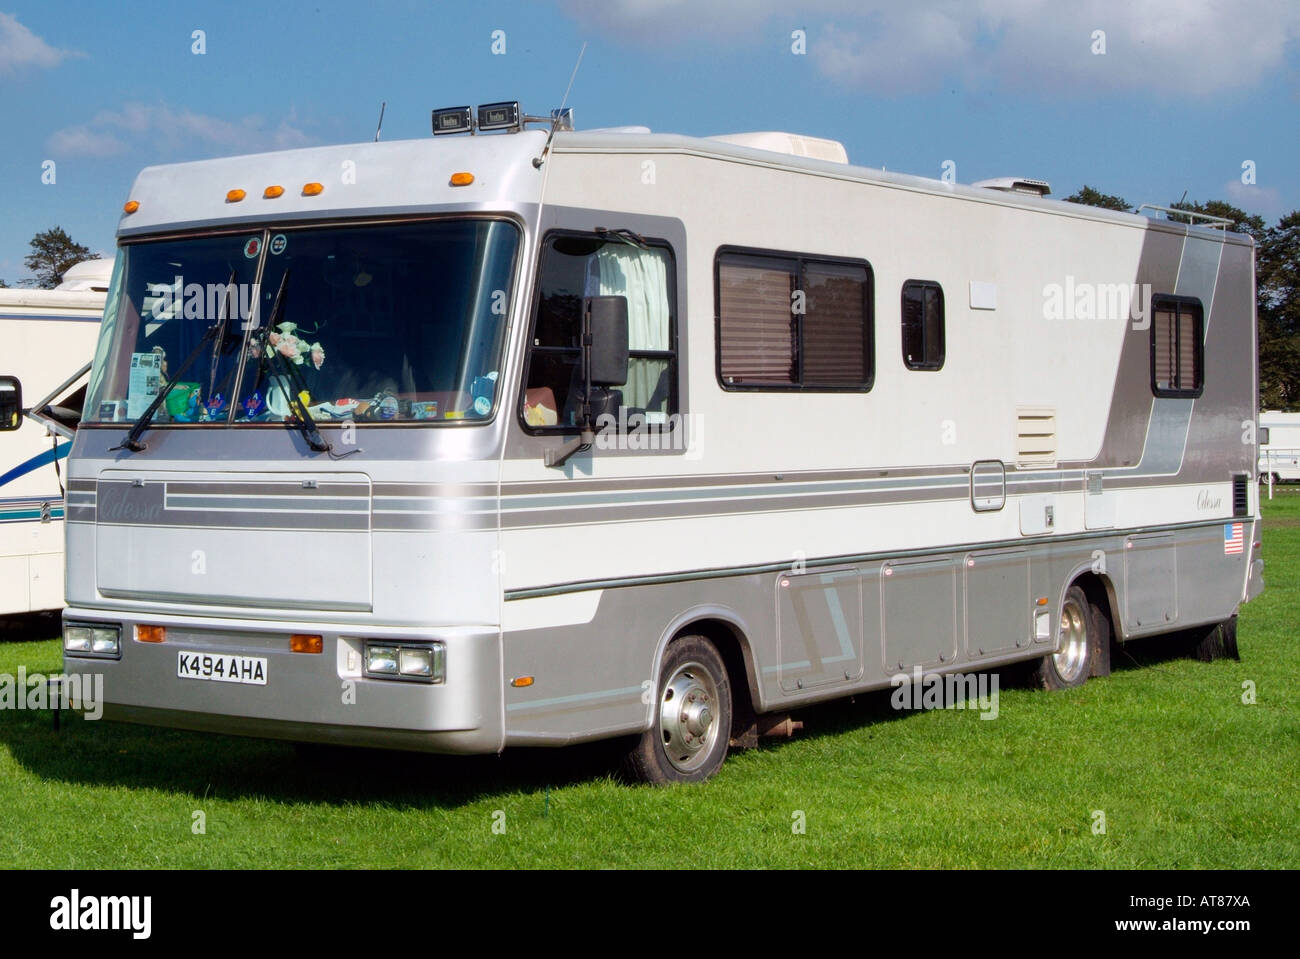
(242, 229)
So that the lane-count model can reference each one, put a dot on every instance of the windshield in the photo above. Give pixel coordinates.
(384, 322)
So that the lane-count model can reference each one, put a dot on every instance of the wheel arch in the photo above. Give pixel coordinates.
(730, 636)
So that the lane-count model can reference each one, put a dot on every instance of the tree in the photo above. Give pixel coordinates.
(1090, 197)
(3, 285)
(1277, 278)
(53, 254)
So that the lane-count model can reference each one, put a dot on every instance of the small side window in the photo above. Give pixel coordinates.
(1177, 346)
(11, 404)
(923, 341)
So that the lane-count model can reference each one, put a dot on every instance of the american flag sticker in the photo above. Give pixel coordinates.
(1232, 539)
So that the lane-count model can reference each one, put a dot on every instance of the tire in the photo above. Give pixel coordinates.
(1218, 642)
(1081, 630)
(687, 741)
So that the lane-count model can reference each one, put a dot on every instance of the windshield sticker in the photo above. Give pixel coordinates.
(278, 243)
(253, 247)
(144, 383)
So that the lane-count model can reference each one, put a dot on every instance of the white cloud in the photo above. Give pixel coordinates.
(161, 128)
(83, 141)
(1264, 200)
(1039, 47)
(19, 48)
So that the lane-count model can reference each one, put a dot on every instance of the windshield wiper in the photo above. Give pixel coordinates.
(306, 425)
(214, 333)
(222, 321)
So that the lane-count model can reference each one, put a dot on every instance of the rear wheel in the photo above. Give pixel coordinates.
(687, 741)
(1080, 632)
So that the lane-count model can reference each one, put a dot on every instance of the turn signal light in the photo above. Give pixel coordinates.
(150, 634)
(303, 643)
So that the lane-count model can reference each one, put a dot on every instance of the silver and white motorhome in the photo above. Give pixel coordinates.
(45, 335)
(1279, 449)
(526, 439)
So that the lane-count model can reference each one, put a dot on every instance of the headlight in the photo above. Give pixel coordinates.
(423, 662)
(381, 659)
(84, 639)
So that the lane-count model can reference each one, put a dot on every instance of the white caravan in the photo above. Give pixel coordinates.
(478, 441)
(1279, 450)
(45, 336)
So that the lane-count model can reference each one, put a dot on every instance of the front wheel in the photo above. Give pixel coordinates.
(687, 741)
(1081, 633)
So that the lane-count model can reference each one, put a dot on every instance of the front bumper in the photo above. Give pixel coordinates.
(311, 697)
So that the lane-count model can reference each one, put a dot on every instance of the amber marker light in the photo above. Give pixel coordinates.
(234, 196)
(150, 634)
(130, 206)
(519, 682)
(462, 179)
(271, 192)
(313, 189)
(304, 643)
(1042, 600)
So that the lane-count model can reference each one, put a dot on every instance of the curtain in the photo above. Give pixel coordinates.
(642, 277)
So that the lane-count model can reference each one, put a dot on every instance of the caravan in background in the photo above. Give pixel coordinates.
(46, 336)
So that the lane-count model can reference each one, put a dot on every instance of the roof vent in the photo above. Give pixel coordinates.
(790, 143)
(1017, 184)
(91, 276)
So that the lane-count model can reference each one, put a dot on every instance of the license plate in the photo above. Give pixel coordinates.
(222, 668)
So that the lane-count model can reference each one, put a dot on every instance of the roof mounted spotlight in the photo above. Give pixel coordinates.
(500, 116)
(452, 120)
(1016, 184)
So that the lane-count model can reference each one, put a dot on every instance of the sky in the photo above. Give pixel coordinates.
(1148, 99)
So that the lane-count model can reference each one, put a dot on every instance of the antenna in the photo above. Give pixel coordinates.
(557, 116)
(381, 120)
(573, 76)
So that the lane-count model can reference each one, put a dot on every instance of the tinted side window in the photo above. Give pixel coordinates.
(793, 322)
(923, 325)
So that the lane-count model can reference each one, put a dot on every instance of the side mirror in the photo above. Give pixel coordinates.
(604, 363)
(11, 404)
(606, 321)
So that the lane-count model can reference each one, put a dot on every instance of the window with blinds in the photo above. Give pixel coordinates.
(923, 347)
(792, 322)
(1177, 346)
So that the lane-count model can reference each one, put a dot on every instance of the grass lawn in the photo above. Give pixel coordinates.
(1184, 772)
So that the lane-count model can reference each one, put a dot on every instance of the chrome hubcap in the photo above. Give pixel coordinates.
(686, 716)
(1072, 659)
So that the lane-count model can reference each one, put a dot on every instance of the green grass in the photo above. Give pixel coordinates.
(1186, 774)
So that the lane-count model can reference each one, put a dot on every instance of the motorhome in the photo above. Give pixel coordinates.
(1279, 449)
(520, 436)
(46, 335)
